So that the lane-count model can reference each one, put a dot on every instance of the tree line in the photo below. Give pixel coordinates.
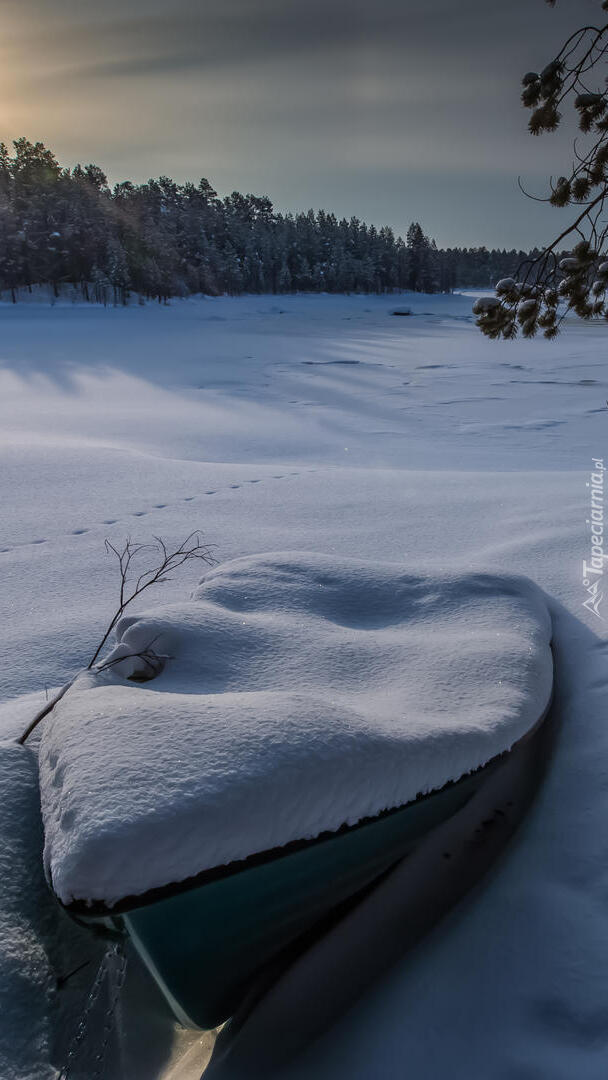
(67, 227)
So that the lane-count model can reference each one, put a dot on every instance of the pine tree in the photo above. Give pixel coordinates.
(577, 280)
(421, 262)
(162, 239)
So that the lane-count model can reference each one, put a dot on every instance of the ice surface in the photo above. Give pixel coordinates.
(302, 692)
(438, 450)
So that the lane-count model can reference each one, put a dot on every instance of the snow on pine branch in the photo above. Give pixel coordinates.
(557, 281)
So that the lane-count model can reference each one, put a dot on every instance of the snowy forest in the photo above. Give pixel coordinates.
(66, 227)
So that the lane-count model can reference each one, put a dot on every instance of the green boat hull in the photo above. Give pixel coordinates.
(209, 942)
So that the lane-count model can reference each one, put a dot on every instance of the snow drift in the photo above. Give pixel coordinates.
(302, 692)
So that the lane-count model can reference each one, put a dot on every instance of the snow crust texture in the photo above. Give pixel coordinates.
(26, 982)
(301, 692)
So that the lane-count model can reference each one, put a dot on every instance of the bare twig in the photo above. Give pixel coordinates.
(191, 548)
(44, 712)
(152, 659)
(165, 562)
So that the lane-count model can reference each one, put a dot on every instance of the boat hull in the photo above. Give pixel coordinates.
(211, 941)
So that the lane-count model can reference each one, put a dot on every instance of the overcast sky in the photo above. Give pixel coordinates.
(393, 110)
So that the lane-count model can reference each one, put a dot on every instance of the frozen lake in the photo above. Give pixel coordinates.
(328, 424)
(270, 423)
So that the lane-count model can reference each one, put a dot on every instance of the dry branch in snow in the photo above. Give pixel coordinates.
(132, 585)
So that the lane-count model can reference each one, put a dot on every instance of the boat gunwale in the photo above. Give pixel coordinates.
(94, 911)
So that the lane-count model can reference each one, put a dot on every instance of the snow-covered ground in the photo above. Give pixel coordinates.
(327, 424)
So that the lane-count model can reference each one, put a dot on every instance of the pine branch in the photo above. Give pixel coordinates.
(547, 287)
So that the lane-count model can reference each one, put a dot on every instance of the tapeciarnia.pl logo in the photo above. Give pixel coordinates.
(593, 571)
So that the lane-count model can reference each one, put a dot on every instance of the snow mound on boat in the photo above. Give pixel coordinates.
(301, 693)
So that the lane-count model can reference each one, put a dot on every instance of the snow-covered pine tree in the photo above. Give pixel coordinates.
(422, 272)
(61, 226)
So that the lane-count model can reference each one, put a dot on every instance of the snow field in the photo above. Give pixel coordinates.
(438, 450)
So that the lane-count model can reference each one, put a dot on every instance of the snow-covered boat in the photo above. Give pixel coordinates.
(317, 720)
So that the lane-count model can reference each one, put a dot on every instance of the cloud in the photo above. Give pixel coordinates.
(333, 94)
(231, 33)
